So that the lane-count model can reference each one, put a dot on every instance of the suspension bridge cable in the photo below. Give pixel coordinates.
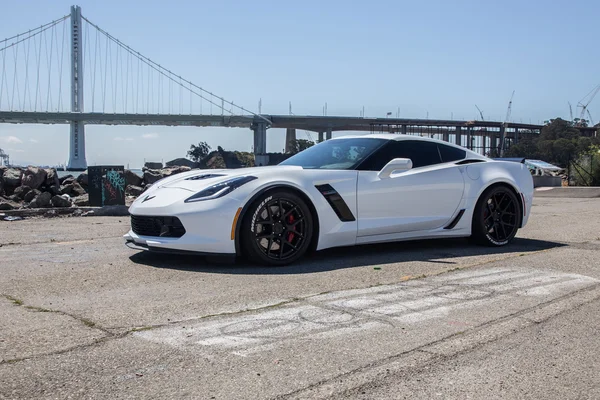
(3, 77)
(39, 62)
(105, 77)
(87, 62)
(60, 74)
(148, 92)
(114, 99)
(109, 51)
(56, 21)
(123, 87)
(137, 91)
(36, 31)
(95, 64)
(26, 90)
(15, 81)
(127, 81)
(169, 74)
(49, 60)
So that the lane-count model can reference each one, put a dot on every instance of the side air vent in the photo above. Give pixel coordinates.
(336, 202)
(472, 161)
(205, 176)
(455, 220)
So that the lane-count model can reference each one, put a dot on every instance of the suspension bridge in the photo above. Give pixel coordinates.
(71, 71)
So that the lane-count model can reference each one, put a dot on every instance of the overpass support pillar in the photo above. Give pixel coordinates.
(502, 139)
(458, 134)
(260, 143)
(320, 137)
(404, 130)
(446, 136)
(290, 138)
(77, 160)
(470, 138)
(328, 135)
(494, 145)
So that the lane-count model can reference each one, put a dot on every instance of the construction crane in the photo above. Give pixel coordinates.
(590, 115)
(508, 112)
(306, 132)
(480, 113)
(571, 111)
(509, 109)
(585, 102)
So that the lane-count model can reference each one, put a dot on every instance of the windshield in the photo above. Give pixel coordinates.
(335, 154)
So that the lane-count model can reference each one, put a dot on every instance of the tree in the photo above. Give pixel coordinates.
(299, 145)
(558, 143)
(197, 153)
(526, 148)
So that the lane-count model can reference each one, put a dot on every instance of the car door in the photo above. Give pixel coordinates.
(423, 198)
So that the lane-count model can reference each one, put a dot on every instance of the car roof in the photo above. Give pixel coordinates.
(401, 136)
(390, 136)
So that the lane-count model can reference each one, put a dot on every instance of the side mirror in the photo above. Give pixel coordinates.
(396, 165)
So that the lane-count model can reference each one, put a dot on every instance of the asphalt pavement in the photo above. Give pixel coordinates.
(83, 316)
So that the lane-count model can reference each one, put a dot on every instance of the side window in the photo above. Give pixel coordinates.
(377, 160)
(450, 153)
(421, 153)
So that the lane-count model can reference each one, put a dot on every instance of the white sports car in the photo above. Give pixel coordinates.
(344, 191)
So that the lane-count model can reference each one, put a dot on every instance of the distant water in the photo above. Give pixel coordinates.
(76, 173)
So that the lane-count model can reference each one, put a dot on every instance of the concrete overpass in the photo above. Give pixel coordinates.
(482, 136)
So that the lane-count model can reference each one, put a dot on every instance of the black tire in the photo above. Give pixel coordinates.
(497, 217)
(277, 229)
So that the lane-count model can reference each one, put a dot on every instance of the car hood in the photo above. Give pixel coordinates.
(199, 179)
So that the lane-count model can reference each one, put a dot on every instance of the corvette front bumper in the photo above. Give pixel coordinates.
(187, 244)
(208, 227)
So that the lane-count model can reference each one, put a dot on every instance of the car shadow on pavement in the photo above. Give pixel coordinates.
(441, 251)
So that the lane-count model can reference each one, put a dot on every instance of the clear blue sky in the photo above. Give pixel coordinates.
(436, 57)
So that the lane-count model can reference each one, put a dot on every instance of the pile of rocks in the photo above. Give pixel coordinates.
(34, 187)
(137, 184)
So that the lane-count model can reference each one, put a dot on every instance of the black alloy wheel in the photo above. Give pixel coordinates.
(277, 229)
(497, 217)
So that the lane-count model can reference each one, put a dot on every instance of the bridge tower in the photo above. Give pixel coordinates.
(77, 160)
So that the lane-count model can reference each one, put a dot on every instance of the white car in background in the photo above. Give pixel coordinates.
(345, 191)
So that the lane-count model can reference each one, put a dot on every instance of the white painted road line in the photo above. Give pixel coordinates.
(356, 311)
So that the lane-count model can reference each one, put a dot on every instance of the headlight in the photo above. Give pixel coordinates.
(220, 189)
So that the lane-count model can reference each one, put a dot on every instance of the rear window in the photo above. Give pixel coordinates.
(449, 153)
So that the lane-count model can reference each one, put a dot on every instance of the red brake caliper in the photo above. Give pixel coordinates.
(290, 234)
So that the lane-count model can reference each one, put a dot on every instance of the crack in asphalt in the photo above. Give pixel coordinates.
(85, 321)
(435, 357)
(111, 335)
(32, 243)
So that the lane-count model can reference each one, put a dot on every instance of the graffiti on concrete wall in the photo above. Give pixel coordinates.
(107, 184)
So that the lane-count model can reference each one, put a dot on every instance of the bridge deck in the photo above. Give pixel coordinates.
(311, 123)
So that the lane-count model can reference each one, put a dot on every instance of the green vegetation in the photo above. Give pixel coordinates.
(199, 152)
(299, 145)
(558, 143)
(14, 300)
(561, 143)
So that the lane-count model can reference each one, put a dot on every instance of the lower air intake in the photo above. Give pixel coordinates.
(157, 226)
